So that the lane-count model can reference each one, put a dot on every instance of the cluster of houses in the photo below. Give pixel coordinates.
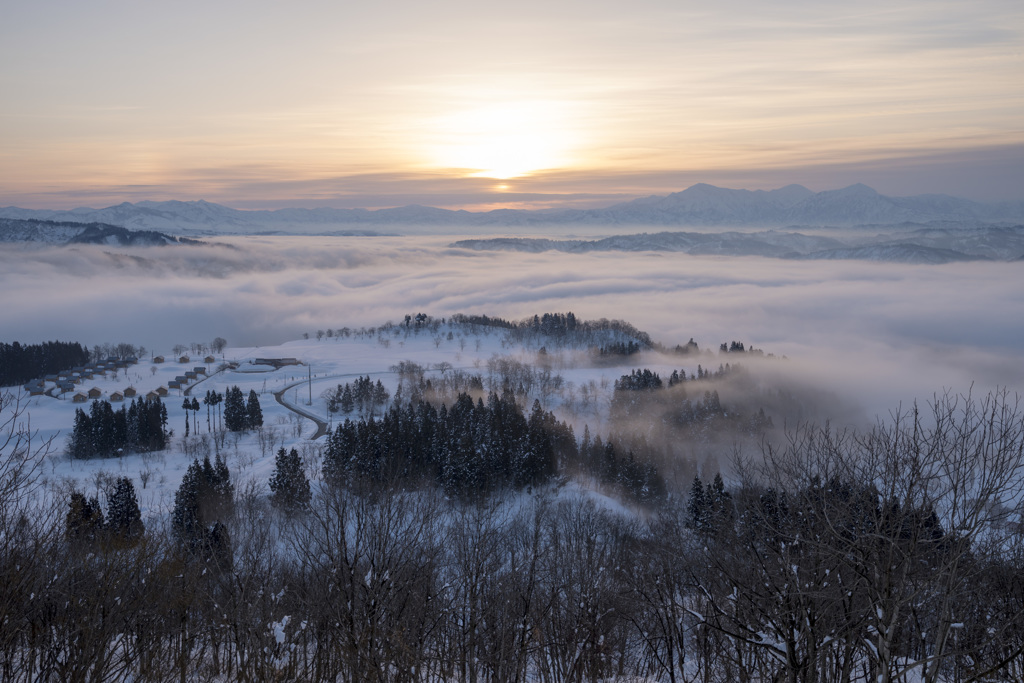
(182, 381)
(65, 382)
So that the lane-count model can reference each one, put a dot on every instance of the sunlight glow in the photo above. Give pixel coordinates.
(504, 140)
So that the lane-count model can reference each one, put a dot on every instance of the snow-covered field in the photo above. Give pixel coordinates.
(323, 365)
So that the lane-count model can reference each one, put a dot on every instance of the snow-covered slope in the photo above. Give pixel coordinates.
(68, 232)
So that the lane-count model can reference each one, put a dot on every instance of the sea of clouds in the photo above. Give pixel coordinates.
(881, 334)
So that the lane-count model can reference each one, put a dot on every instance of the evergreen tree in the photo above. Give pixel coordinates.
(80, 445)
(697, 514)
(185, 519)
(253, 412)
(347, 402)
(186, 406)
(205, 496)
(235, 415)
(208, 402)
(289, 486)
(124, 519)
(84, 521)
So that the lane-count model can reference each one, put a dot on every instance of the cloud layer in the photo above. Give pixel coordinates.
(881, 333)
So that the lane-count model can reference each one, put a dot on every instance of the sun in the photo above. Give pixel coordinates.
(503, 140)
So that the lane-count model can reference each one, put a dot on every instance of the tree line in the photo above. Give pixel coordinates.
(104, 432)
(23, 363)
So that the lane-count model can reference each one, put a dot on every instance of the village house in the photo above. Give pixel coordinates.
(116, 396)
(130, 392)
(79, 398)
(95, 392)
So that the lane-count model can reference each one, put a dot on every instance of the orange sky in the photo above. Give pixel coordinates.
(259, 104)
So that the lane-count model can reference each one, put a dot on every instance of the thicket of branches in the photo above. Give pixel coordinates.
(835, 557)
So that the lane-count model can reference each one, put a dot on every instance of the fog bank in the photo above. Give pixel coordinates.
(882, 333)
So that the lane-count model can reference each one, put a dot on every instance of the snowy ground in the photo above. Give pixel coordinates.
(325, 363)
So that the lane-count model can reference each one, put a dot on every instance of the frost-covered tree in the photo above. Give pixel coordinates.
(289, 486)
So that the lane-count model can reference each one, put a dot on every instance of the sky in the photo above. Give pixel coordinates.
(453, 103)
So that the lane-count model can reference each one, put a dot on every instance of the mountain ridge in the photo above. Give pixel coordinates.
(701, 205)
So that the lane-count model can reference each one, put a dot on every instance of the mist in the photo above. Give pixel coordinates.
(877, 334)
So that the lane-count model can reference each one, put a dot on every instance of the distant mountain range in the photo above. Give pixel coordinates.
(698, 206)
(925, 245)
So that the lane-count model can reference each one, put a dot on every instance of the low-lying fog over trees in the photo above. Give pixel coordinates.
(887, 333)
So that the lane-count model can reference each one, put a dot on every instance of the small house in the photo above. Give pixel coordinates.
(174, 384)
(184, 359)
(130, 392)
(95, 392)
(199, 370)
(152, 396)
(190, 374)
(116, 396)
(209, 359)
(161, 391)
(79, 398)
(158, 359)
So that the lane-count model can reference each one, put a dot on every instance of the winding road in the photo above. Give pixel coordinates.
(321, 425)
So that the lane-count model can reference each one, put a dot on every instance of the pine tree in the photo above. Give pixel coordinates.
(84, 521)
(124, 519)
(186, 406)
(205, 496)
(223, 489)
(289, 486)
(235, 415)
(81, 446)
(348, 404)
(697, 507)
(185, 518)
(253, 412)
